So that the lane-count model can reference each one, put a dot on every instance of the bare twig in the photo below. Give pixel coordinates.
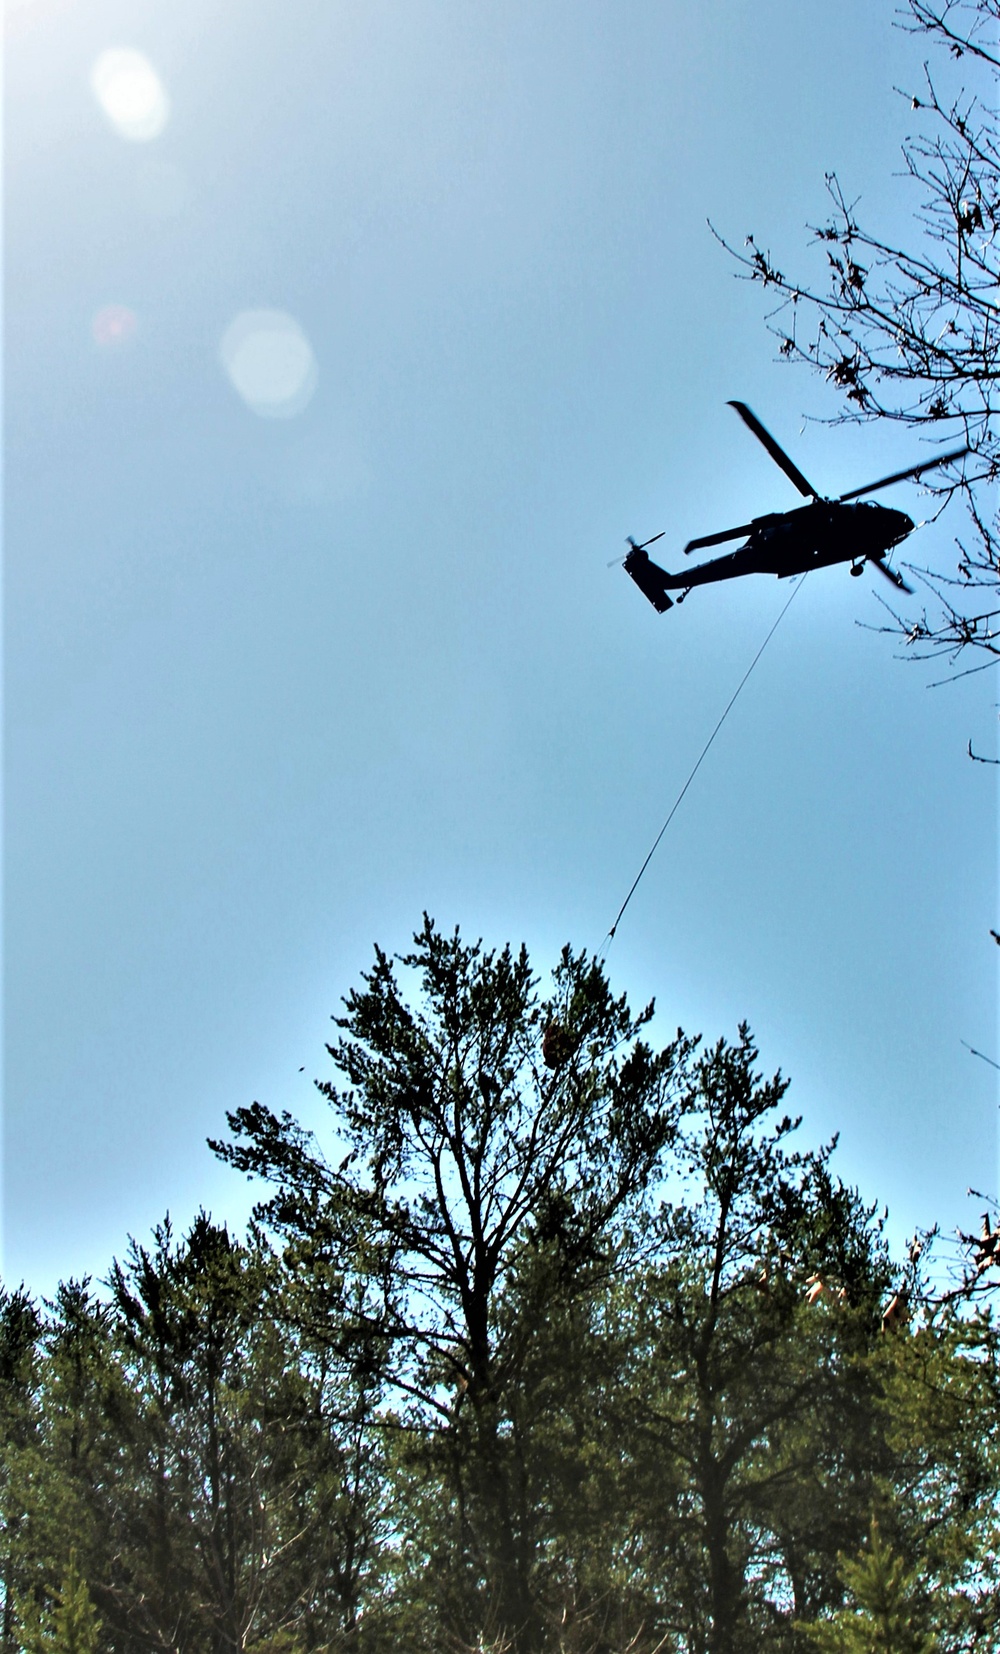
(910, 332)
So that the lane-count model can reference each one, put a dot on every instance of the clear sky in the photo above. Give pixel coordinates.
(345, 344)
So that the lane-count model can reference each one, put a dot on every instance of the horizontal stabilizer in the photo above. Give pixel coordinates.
(717, 539)
(650, 580)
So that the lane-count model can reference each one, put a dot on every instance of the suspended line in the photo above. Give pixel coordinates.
(701, 757)
(982, 1054)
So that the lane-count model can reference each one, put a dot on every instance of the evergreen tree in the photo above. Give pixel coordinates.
(60, 1477)
(192, 1460)
(753, 1423)
(242, 1520)
(940, 1397)
(567, 1349)
(496, 1144)
(20, 1337)
(71, 1625)
(888, 1610)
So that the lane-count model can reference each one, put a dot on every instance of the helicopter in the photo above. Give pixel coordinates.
(847, 529)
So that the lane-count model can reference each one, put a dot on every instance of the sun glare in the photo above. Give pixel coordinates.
(130, 93)
(270, 362)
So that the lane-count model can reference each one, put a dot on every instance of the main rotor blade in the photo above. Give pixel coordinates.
(890, 574)
(779, 456)
(717, 539)
(901, 476)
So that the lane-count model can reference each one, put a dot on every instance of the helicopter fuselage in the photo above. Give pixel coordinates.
(785, 543)
(811, 536)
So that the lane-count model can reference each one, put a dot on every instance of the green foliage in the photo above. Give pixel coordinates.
(500, 1148)
(940, 1391)
(20, 1334)
(559, 1345)
(887, 1612)
(751, 1394)
(70, 1626)
(197, 1456)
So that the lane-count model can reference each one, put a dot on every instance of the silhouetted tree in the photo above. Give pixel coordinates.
(188, 1463)
(496, 1143)
(60, 1520)
(937, 1506)
(240, 1521)
(20, 1361)
(748, 1391)
(566, 1349)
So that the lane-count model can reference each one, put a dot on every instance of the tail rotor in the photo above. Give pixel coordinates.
(615, 561)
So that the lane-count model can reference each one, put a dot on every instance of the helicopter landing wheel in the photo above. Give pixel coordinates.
(857, 568)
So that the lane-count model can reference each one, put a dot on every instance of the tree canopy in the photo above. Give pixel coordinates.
(556, 1340)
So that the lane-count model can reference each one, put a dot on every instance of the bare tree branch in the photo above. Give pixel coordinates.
(911, 333)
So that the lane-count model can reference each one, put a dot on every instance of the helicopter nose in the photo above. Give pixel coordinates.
(903, 526)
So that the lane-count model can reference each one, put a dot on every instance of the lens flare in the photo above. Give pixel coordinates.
(114, 325)
(130, 93)
(270, 363)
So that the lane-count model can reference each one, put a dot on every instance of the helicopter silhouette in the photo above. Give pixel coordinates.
(847, 529)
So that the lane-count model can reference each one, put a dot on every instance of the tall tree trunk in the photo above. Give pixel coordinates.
(502, 1523)
(723, 1583)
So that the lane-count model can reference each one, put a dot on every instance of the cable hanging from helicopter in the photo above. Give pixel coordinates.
(789, 543)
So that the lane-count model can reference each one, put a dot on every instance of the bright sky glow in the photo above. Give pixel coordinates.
(162, 189)
(276, 684)
(130, 93)
(270, 363)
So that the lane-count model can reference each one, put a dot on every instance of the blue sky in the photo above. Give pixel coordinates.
(282, 674)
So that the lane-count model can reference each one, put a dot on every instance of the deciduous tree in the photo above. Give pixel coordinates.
(908, 330)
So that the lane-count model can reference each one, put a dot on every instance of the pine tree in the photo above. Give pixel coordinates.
(70, 1626)
(499, 1145)
(747, 1409)
(888, 1614)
